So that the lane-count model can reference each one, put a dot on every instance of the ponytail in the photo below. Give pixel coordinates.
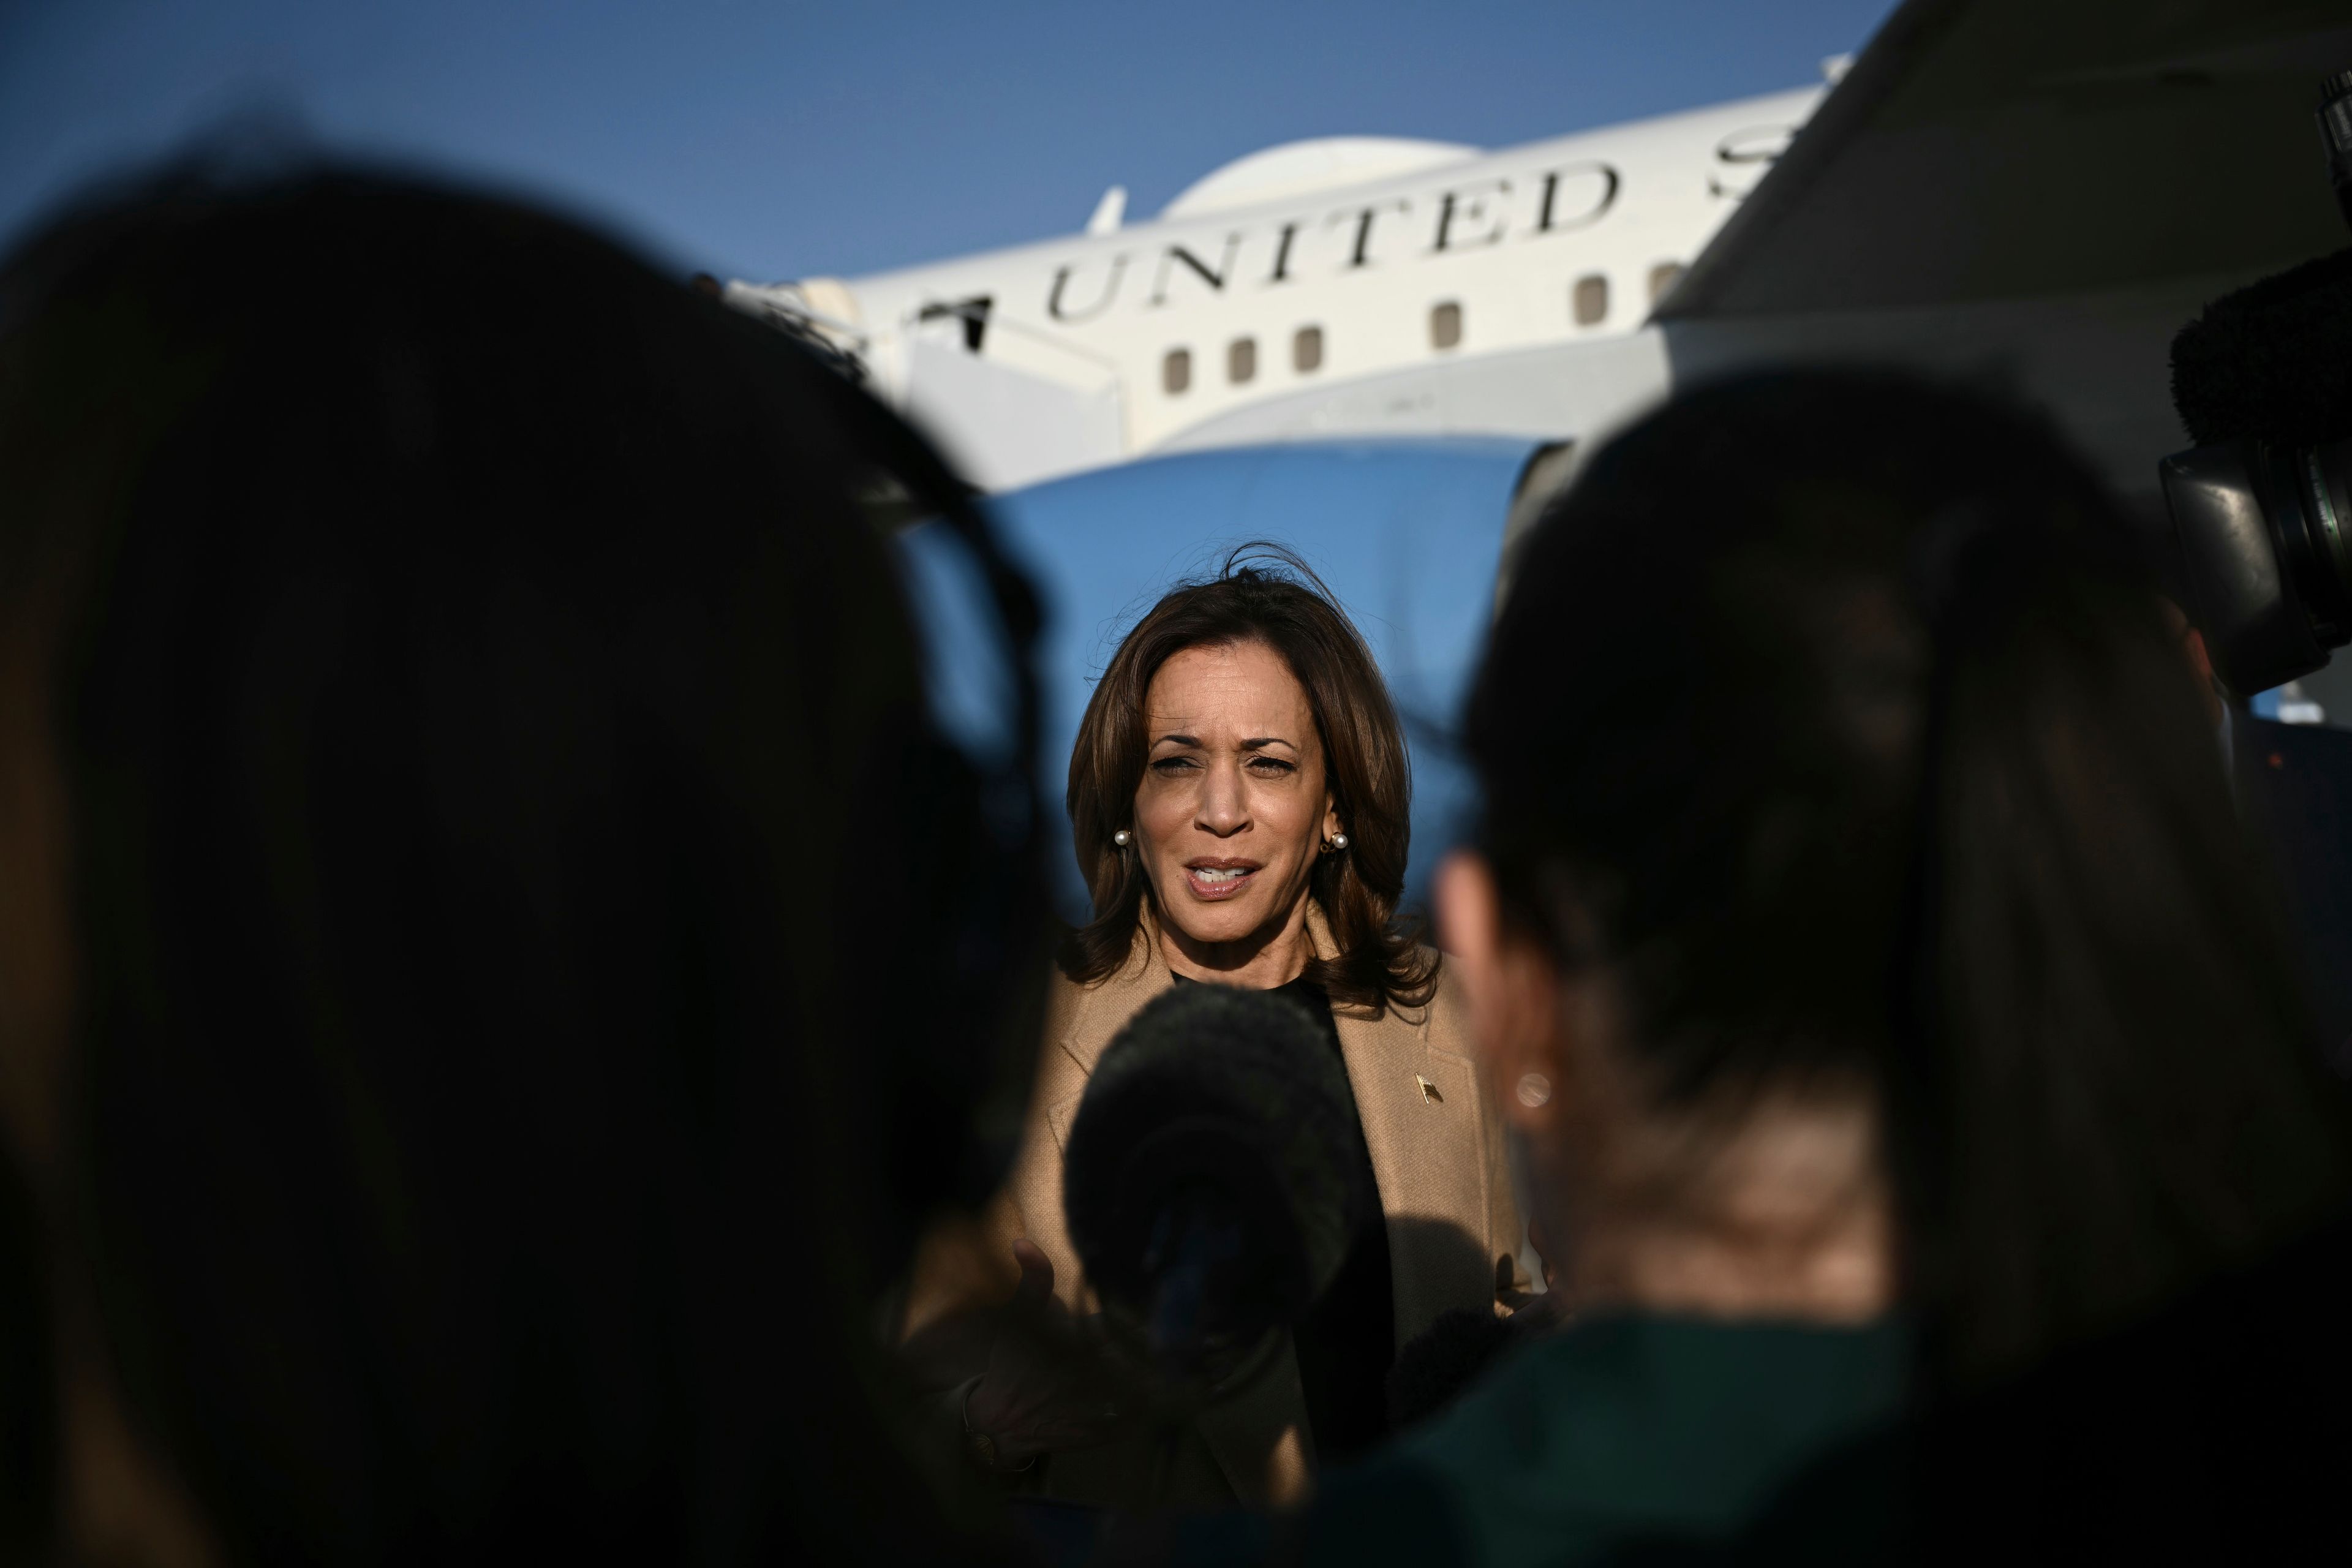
(1831, 711)
(2104, 1083)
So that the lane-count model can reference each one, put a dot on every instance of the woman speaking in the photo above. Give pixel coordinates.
(1239, 794)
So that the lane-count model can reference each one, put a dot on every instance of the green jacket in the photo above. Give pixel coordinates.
(1620, 1435)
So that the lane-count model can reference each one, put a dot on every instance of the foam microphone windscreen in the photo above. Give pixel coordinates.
(2270, 362)
(1236, 1093)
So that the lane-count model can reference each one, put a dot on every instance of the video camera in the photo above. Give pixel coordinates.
(2262, 506)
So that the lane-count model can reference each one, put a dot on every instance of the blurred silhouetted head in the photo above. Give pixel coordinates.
(529, 961)
(1830, 712)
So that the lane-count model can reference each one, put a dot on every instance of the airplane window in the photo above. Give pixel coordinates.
(1592, 299)
(1241, 360)
(1444, 325)
(1307, 350)
(1176, 371)
(1663, 278)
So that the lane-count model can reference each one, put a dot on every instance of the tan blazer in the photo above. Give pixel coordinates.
(1438, 1158)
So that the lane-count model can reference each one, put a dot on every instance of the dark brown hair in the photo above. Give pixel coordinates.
(1263, 593)
(1879, 761)
(434, 711)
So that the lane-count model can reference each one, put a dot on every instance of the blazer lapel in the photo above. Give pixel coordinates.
(1100, 1012)
(1420, 1112)
(1419, 1107)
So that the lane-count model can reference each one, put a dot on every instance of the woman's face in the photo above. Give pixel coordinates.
(1234, 806)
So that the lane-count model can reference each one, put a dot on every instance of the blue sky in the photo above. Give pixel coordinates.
(766, 139)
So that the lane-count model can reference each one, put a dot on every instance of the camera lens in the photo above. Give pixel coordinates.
(2303, 494)
(2335, 132)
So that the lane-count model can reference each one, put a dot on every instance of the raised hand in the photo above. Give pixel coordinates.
(1043, 1391)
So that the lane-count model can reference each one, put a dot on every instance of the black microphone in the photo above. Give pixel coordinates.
(1209, 1183)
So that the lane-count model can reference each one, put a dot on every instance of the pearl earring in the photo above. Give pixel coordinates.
(1338, 841)
(1122, 839)
(1535, 1090)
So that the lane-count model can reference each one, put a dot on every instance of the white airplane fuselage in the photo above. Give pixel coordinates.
(1286, 273)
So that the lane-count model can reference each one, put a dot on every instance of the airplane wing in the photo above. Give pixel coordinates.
(2033, 195)
(2008, 149)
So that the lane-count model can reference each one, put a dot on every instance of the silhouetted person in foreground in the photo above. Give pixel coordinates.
(1911, 1075)
(497, 961)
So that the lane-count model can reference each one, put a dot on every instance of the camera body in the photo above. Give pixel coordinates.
(2262, 506)
(2265, 541)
